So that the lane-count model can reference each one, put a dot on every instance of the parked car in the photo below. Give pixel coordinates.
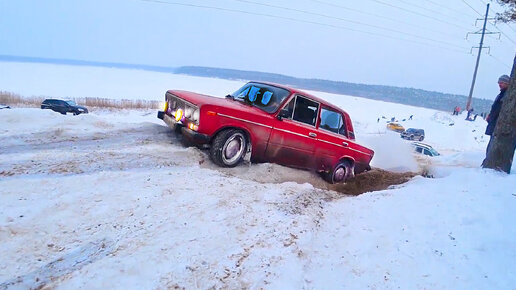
(63, 107)
(275, 124)
(3, 106)
(395, 127)
(424, 149)
(413, 134)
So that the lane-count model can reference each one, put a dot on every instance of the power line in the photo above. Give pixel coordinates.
(346, 20)
(503, 33)
(417, 13)
(381, 17)
(472, 8)
(503, 63)
(446, 7)
(423, 8)
(497, 12)
(432, 42)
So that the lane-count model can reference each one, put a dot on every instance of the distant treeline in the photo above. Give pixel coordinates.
(407, 96)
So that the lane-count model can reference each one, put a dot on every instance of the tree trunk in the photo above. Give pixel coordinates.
(501, 151)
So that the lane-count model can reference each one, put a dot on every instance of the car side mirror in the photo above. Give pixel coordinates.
(284, 113)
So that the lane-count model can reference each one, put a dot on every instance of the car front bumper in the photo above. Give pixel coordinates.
(192, 135)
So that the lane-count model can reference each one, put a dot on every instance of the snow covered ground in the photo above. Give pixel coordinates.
(112, 199)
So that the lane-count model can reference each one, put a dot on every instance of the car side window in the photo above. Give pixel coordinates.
(305, 110)
(331, 121)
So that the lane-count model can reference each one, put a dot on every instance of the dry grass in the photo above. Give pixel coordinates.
(15, 100)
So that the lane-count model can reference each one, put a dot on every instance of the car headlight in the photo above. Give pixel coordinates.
(179, 115)
(188, 112)
(195, 116)
(172, 105)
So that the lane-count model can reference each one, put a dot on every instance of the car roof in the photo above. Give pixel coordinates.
(421, 144)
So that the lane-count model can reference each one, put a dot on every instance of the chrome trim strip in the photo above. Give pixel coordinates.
(298, 134)
(244, 120)
(344, 147)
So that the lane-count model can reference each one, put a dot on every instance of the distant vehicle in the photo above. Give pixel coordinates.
(63, 107)
(3, 106)
(275, 123)
(395, 127)
(413, 134)
(425, 149)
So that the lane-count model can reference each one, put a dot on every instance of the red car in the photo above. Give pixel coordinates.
(275, 123)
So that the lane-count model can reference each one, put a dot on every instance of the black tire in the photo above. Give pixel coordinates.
(340, 173)
(411, 137)
(228, 148)
(421, 138)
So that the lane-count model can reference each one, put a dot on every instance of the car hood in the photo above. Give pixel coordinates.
(200, 99)
(81, 107)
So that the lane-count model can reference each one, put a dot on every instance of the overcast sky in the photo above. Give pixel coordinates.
(409, 43)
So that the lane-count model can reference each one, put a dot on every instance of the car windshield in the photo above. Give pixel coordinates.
(265, 97)
(71, 103)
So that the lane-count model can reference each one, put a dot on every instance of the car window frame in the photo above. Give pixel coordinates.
(294, 110)
(342, 121)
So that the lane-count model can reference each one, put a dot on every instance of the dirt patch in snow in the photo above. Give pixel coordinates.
(373, 180)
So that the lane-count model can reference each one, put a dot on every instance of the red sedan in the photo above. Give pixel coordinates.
(275, 124)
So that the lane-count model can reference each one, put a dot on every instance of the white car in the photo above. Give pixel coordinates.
(425, 149)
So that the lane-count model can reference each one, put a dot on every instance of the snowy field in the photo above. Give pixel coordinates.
(114, 200)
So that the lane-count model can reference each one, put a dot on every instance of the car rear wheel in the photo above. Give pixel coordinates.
(228, 148)
(340, 173)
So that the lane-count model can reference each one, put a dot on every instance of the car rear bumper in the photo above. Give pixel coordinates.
(192, 135)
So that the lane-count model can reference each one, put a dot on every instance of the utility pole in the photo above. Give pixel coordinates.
(468, 104)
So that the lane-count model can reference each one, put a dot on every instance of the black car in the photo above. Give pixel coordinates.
(63, 107)
(413, 134)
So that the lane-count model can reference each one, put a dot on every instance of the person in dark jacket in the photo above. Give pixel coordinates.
(492, 118)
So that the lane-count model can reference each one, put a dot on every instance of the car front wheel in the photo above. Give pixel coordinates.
(342, 172)
(421, 138)
(228, 148)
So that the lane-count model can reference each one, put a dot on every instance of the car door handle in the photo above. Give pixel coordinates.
(312, 134)
(345, 144)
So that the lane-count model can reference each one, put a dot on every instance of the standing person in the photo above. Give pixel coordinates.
(492, 118)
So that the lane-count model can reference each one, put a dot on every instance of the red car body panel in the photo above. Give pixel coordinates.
(283, 141)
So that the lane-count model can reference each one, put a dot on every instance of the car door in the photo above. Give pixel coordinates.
(55, 106)
(332, 140)
(293, 137)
